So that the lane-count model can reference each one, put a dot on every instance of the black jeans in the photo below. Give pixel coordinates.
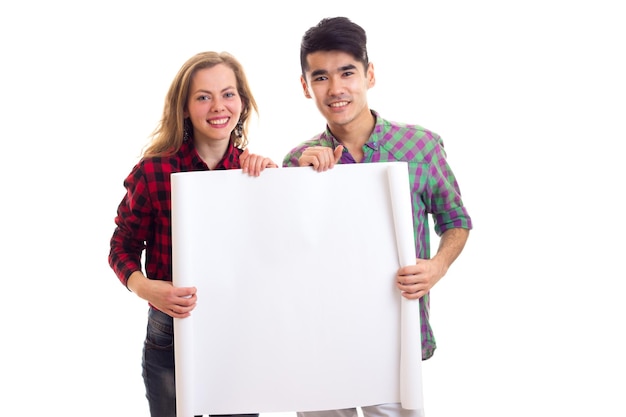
(158, 366)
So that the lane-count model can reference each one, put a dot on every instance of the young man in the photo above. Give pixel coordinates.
(337, 74)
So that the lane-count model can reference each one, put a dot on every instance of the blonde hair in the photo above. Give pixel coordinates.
(167, 138)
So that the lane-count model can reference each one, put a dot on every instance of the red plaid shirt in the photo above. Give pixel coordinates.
(143, 218)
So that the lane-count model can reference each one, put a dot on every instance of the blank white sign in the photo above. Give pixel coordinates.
(297, 305)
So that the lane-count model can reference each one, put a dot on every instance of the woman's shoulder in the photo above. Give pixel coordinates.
(155, 167)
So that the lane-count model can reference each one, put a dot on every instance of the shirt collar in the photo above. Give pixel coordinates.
(375, 137)
(230, 160)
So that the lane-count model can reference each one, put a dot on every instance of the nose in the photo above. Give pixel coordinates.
(217, 104)
(335, 86)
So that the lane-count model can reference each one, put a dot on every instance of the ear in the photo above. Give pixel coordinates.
(371, 78)
(305, 87)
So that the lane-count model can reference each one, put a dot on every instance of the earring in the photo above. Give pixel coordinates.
(239, 129)
(186, 130)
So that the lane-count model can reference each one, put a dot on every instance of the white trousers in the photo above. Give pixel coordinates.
(381, 410)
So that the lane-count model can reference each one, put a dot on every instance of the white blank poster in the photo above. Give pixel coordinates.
(297, 306)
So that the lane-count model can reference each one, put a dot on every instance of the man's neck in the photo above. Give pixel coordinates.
(356, 133)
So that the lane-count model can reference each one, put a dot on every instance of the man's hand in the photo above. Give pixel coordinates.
(416, 280)
(321, 158)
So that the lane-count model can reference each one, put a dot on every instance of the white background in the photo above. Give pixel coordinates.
(529, 98)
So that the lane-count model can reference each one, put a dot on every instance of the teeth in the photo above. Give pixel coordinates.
(339, 104)
(218, 121)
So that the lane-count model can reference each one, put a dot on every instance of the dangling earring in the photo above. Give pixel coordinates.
(186, 130)
(239, 129)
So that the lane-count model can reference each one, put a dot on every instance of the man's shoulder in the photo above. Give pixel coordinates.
(406, 131)
(319, 139)
(409, 141)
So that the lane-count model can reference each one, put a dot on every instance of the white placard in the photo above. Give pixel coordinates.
(297, 305)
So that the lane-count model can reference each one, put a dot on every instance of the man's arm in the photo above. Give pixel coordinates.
(451, 245)
(416, 280)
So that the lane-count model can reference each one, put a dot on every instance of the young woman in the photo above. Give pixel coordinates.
(204, 127)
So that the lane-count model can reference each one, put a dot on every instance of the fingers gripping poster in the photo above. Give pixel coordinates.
(295, 274)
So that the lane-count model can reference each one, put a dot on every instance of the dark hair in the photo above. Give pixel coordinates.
(334, 34)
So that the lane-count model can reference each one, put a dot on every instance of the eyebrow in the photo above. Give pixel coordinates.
(223, 90)
(340, 69)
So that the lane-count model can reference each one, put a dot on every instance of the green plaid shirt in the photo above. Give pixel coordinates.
(434, 188)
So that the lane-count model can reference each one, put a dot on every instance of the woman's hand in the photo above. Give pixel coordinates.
(253, 164)
(174, 301)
